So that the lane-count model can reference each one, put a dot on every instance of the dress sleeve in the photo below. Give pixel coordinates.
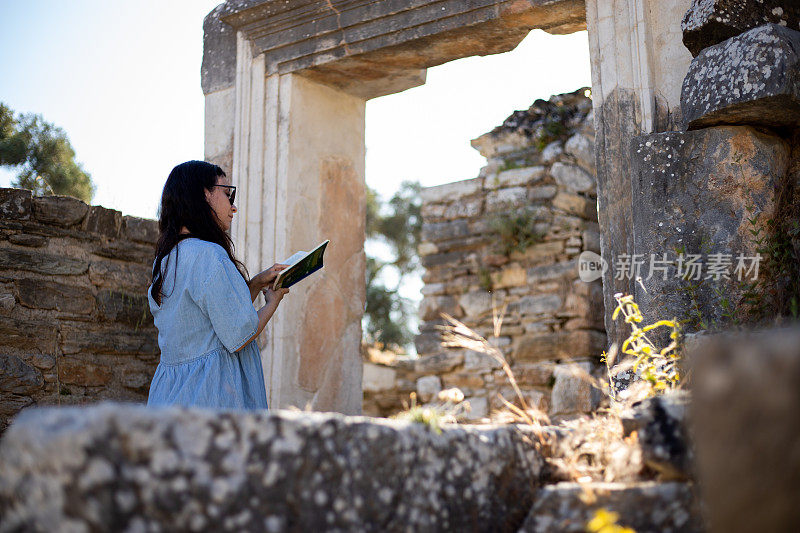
(224, 296)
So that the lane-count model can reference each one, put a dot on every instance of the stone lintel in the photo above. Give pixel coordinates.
(371, 48)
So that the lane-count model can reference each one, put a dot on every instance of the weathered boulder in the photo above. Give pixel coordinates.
(118, 467)
(749, 79)
(661, 428)
(700, 193)
(709, 22)
(17, 376)
(746, 429)
(59, 210)
(646, 507)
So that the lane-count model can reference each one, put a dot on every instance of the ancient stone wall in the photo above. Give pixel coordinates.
(725, 189)
(541, 171)
(75, 324)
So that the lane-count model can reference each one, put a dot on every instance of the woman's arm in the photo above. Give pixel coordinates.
(265, 313)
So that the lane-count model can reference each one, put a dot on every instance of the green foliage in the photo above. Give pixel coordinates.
(42, 155)
(659, 367)
(776, 292)
(553, 129)
(485, 278)
(397, 224)
(447, 410)
(515, 231)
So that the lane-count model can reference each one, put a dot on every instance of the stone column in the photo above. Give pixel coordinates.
(286, 85)
(638, 64)
(298, 161)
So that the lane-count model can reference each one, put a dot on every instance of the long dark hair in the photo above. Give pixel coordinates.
(183, 203)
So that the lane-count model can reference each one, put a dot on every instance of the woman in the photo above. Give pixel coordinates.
(201, 300)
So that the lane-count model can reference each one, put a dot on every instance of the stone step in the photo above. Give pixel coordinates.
(645, 507)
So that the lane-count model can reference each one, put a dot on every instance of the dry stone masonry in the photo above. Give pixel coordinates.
(541, 170)
(75, 324)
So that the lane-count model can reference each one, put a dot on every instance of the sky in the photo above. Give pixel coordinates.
(122, 78)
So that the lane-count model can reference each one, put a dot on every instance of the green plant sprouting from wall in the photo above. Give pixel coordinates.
(657, 366)
(515, 231)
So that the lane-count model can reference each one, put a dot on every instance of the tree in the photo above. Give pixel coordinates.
(43, 156)
(397, 224)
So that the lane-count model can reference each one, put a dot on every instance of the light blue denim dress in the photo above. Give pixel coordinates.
(205, 315)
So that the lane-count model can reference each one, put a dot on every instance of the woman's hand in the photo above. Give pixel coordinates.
(267, 277)
(274, 297)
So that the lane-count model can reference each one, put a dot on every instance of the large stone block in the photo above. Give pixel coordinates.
(140, 229)
(538, 304)
(41, 262)
(575, 204)
(701, 193)
(42, 294)
(431, 307)
(116, 275)
(661, 428)
(709, 22)
(505, 199)
(27, 334)
(749, 79)
(560, 345)
(516, 176)
(439, 362)
(442, 231)
(179, 469)
(476, 303)
(125, 251)
(18, 377)
(573, 177)
(83, 371)
(103, 221)
(125, 308)
(15, 204)
(581, 148)
(573, 392)
(646, 506)
(746, 429)
(27, 239)
(77, 337)
(376, 378)
(451, 191)
(59, 210)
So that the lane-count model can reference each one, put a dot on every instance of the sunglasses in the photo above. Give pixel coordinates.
(232, 195)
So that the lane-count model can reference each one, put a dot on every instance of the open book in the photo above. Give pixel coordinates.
(301, 265)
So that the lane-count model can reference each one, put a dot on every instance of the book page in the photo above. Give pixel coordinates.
(297, 256)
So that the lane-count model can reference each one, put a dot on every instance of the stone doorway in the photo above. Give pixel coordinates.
(286, 85)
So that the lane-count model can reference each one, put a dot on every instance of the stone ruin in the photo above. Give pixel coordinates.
(540, 163)
(285, 86)
(74, 321)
